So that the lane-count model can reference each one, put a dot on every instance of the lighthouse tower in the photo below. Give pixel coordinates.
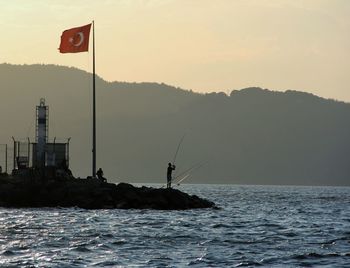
(45, 156)
(42, 132)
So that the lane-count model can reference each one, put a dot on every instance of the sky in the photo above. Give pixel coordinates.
(203, 45)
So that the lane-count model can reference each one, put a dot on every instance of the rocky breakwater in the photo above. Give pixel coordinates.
(93, 194)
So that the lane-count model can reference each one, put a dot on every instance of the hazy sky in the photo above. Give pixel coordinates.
(203, 45)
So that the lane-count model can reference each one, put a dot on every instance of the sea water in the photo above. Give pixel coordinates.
(266, 226)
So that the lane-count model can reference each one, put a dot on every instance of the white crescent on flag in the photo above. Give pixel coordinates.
(81, 39)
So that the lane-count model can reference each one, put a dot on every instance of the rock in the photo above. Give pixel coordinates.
(93, 194)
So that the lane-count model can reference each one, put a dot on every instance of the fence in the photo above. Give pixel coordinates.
(3, 158)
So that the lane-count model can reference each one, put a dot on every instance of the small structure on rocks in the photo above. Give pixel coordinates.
(41, 157)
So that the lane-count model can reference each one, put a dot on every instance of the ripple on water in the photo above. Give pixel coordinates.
(257, 226)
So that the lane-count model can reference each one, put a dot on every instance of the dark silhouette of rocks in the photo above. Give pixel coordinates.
(92, 194)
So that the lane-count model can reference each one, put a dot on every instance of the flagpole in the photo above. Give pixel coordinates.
(93, 104)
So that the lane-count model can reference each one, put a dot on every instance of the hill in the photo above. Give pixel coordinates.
(252, 136)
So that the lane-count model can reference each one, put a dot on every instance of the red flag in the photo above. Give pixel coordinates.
(75, 40)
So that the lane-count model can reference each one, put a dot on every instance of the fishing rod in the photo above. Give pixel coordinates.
(185, 172)
(184, 175)
(178, 183)
(178, 148)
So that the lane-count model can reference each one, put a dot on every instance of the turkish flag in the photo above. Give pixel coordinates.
(75, 40)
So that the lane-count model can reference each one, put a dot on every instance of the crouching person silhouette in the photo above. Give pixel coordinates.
(99, 174)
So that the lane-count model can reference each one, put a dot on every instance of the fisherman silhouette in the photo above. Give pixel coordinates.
(168, 174)
(99, 174)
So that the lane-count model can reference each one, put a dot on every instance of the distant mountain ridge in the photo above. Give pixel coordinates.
(252, 136)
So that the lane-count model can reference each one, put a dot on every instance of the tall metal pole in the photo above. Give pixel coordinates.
(93, 105)
(6, 158)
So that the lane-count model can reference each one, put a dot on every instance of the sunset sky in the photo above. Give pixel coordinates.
(203, 45)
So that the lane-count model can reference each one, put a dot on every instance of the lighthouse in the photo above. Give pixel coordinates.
(41, 154)
(41, 132)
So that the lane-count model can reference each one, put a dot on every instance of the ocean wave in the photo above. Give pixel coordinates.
(257, 226)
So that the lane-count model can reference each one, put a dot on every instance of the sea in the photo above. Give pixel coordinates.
(254, 226)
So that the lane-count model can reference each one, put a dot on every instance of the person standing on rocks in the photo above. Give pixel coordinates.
(169, 172)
